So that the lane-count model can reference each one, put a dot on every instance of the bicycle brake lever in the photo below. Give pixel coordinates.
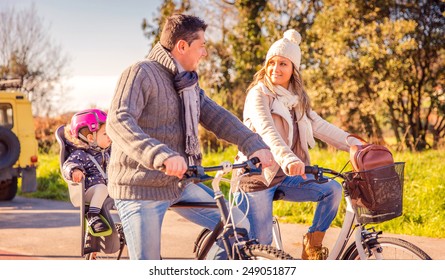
(251, 169)
(197, 174)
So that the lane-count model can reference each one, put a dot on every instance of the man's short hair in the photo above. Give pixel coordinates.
(181, 27)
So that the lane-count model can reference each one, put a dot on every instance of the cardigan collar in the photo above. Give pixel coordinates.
(163, 57)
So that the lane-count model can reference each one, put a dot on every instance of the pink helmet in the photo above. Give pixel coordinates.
(91, 118)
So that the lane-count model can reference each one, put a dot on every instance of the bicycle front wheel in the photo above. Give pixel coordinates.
(265, 252)
(392, 249)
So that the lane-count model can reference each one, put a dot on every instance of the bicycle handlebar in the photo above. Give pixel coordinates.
(198, 173)
(318, 171)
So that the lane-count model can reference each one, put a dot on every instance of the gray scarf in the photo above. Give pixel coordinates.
(186, 84)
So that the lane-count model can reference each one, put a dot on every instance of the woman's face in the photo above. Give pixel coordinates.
(279, 69)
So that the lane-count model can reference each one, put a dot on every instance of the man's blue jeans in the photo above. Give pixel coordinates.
(328, 196)
(142, 221)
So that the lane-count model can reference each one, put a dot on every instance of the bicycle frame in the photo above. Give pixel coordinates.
(226, 226)
(350, 224)
(346, 232)
(343, 237)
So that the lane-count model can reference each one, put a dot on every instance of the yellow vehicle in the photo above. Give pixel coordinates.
(18, 144)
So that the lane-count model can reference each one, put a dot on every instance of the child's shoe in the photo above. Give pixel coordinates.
(96, 223)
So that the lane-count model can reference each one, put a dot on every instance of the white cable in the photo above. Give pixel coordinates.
(233, 204)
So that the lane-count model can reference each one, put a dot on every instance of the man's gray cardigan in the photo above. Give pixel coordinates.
(146, 124)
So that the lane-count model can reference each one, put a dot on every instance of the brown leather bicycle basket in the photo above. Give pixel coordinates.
(376, 194)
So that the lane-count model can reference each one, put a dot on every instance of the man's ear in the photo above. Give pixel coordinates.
(181, 46)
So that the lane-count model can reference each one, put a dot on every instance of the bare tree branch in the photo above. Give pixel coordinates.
(27, 53)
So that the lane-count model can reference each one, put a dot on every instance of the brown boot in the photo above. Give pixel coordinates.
(312, 249)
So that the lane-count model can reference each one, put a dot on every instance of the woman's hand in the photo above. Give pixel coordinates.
(265, 157)
(296, 168)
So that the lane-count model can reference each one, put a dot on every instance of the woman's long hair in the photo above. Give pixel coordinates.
(296, 83)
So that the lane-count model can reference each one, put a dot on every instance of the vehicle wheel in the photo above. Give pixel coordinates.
(8, 189)
(9, 148)
(393, 249)
(265, 252)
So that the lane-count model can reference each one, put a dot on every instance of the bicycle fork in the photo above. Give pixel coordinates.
(368, 245)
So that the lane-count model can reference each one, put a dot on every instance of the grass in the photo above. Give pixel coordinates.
(423, 203)
(424, 190)
(50, 184)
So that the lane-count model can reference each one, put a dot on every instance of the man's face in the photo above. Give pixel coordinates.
(194, 52)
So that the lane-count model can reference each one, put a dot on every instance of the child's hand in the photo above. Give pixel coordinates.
(77, 176)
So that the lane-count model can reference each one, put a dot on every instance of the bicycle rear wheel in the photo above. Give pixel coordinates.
(393, 249)
(265, 252)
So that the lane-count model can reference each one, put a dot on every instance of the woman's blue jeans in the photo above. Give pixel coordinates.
(142, 221)
(328, 196)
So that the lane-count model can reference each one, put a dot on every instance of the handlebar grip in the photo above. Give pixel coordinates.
(311, 169)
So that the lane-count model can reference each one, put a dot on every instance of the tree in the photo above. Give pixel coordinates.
(168, 7)
(420, 107)
(377, 64)
(27, 53)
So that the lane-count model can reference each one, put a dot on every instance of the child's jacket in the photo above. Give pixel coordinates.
(80, 158)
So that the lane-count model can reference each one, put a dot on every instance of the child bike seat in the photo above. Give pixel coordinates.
(106, 244)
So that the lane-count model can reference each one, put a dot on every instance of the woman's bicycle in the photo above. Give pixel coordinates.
(371, 197)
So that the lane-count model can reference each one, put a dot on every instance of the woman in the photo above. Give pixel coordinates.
(277, 107)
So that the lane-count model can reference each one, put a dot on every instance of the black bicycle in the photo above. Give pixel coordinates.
(235, 240)
(237, 244)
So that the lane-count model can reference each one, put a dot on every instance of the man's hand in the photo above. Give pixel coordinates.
(77, 175)
(175, 166)
(265, 157)
(296, 168)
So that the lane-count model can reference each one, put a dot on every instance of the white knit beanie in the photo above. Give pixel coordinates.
(288, 47)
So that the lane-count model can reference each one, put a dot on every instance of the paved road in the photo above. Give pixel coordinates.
(47, 229)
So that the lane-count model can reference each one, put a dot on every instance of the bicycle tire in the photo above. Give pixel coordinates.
(249, 251)
(393, 249)
(203, 235)
(265, 252)
(115, 256)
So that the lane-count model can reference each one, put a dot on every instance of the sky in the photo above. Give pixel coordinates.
(101, 38)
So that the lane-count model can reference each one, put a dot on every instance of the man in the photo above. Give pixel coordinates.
(153, 123)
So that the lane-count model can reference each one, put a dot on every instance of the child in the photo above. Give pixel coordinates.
(89, 160)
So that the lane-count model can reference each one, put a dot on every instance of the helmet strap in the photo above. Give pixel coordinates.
(85, 139)
(94, 144)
